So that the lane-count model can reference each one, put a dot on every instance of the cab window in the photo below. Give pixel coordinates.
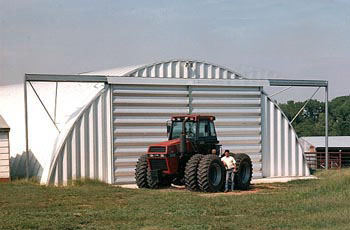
(203, 129)
(212, 129)
(190, 129)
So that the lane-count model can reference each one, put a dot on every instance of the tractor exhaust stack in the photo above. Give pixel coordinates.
(183, 147)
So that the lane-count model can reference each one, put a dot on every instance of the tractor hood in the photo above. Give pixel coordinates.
(167, 143)
(167, 147)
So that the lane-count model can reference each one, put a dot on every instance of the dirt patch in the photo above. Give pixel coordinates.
(259, 188)
(255, 188)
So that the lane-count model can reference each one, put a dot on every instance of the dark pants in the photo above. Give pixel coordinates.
(229, 176)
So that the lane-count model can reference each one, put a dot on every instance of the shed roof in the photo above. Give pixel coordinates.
(175, 68)
(3, 125)
(333, 141)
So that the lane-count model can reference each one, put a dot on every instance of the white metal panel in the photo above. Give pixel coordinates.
(282, 154)
(140, 113)
(84, 151)
(237, 111)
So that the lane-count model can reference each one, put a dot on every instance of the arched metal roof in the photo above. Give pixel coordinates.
(177, 68)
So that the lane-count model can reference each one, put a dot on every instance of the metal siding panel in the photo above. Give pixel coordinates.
(237, 111)
(132, 134)
(84, 150)
(272, 139)
(78, 149)
(265, 123)
(297, 159)
(139, 118)
(86, 137)
(290, 159)
(4, 168)
(279, 146)
(91, 142)
(74, 155)
(104, 135)
(95, 140)
(4, 162)
(109, 118)
(100, 139)
(4, 151)
(4, 156)
(60, 169)
(301, 161)
(293, 144)
(55, 177)
(286, 148)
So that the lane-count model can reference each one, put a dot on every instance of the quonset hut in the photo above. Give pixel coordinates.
(104, 139)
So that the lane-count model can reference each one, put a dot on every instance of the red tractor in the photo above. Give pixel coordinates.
(190, 157)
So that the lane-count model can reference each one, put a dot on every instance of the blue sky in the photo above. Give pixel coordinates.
(264, 38)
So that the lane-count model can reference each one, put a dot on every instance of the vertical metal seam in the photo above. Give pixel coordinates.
(279, 149)
(26, 125)
(189, 90)
(104, 136)
(111, 138)
(272, 137)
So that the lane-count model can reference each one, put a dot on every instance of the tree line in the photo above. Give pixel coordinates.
(311, 121)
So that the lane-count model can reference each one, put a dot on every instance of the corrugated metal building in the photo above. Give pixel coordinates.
(106, 137)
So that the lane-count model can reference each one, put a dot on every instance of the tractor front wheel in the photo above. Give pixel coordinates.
(141, 172)
(163, 180)
(211, 174)
(191, 171)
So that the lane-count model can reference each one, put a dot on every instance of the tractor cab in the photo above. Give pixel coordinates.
(199, 130)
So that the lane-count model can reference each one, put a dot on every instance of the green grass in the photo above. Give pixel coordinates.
(307, 204)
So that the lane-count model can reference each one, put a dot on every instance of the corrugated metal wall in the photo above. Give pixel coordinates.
(139, 116)
(18, 166)
(140, 113)
(282, 154)
(237, 111)
(85, 151)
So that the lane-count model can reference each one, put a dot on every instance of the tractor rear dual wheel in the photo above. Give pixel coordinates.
(244, 173)
(211, 174)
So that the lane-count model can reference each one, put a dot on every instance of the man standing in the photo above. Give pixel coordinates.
(230, 165)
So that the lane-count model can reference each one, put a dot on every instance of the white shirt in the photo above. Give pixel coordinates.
(229, 162)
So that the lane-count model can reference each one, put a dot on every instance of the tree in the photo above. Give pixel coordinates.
(311, 121)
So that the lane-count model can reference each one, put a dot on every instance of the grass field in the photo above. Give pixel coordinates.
(307, 204)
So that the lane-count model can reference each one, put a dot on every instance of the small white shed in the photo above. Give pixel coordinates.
(4, 151)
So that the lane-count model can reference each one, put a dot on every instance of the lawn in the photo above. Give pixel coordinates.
(306, 204)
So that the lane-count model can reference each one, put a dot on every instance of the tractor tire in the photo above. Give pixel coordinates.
(191, 170)
(163, 181)
(243, 175)
(151, 183)
(211, 174)
(141, 172)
